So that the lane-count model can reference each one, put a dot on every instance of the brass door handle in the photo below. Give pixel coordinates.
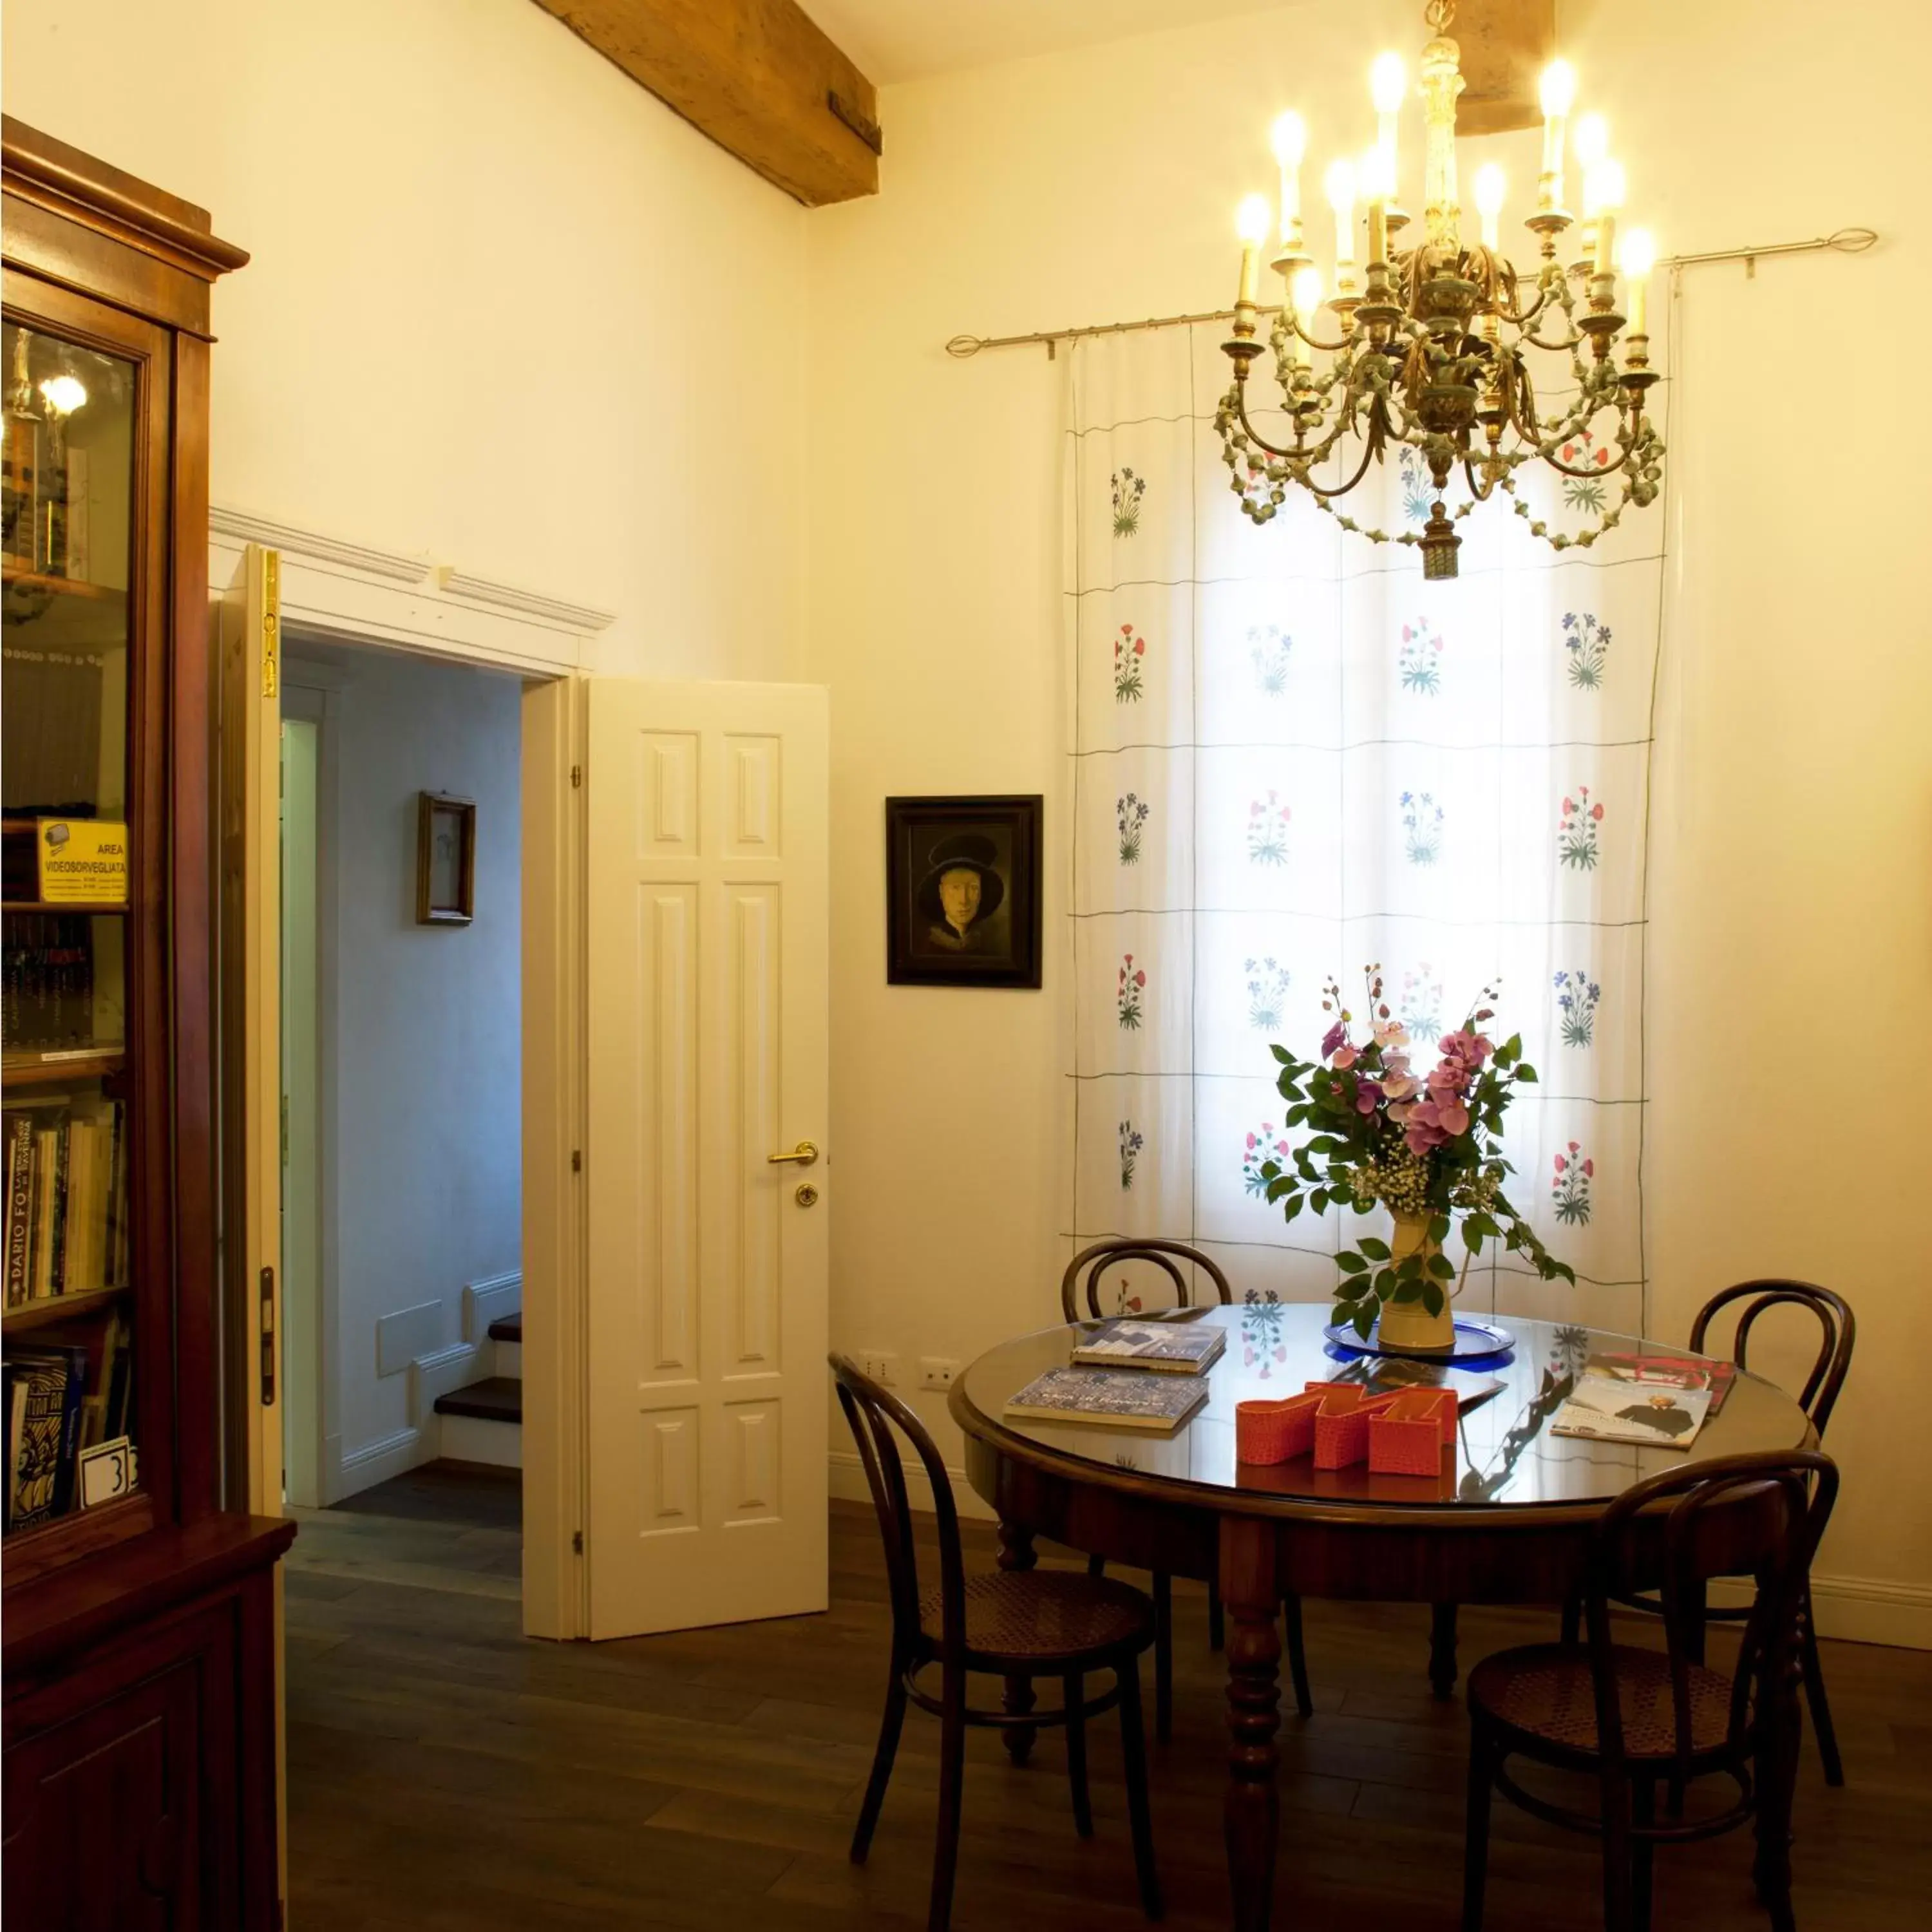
(805, 1153)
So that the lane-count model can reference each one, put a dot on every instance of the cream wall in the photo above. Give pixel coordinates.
(505, 309)
(1791, 894)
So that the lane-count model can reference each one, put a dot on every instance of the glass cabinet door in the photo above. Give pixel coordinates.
(68, 523)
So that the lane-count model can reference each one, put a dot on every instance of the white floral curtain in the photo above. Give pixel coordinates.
(1292, 756)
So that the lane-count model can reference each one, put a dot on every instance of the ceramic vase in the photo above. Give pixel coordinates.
(1408, 1324)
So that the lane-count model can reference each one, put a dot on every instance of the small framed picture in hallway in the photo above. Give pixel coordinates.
(445, 859)
(963, 892)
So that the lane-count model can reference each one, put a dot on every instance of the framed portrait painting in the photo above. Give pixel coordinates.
(445, 859)
(963, 892)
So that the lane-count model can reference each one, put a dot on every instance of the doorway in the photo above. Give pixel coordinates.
(401, 1226)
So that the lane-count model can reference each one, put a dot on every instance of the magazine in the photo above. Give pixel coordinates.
(1123, 1398)
(1178, 1349)
(1612, 1408)
(1669, 1371)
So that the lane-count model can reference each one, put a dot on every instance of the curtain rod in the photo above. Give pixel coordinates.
(1842, 240)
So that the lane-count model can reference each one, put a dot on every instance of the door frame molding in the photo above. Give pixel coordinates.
(336, 590)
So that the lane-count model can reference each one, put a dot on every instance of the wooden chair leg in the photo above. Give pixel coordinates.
(1815, 1699)
(1133, 1758)
(1096, 1566)
(951, 1775)
(1644, 1809)
(1572, 1621)
(1297, 1657)
(1217, 1624)
(1616, 1852)
(1163, 1657)
(1442, 1650)
(890, 1727)
(1073, 1691)
(1476, 1828)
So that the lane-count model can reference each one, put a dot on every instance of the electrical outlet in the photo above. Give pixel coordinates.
(882, 1367)
(938, 1372)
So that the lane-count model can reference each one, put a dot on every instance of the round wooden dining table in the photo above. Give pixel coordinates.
(1506, 1519)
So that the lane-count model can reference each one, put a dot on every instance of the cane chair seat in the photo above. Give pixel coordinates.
(1543, 1692)
(1048, 1617)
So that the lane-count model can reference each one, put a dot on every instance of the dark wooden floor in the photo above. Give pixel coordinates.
(444, 1772)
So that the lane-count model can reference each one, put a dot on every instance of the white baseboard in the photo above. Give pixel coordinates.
(469, 1438)
(1861, 1609)
(846, 1479)
(484, 1302)
(1855, 1609)
(376, 1462)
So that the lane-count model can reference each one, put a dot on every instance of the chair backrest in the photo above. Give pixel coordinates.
(878, 1419)
(1759, 1516)
(1163, 1254)
(1837, 1331)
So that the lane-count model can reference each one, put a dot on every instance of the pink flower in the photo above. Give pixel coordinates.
(1345, 1058)
(1589, 1168)
(1255, 810)
(1251, 1143)
(1560, 1163)
(1368, 1097)
(1281, 1147)
(1140, 979)
(1576, 1147)
(1596, 811)
(1569, 806)
(1126, 630)
(1391, 1033)
(1337, 1035)
(1140, 645)
(1404, 633)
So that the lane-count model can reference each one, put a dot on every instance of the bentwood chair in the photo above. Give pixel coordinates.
(1634, 1719)
(1010, 1624)
(1091, 1263)
(1838, 1331)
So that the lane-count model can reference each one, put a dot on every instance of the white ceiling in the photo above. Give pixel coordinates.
(902, 39)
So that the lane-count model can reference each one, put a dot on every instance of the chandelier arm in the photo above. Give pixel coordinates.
(1523, 318)
(1299, 458)
(1327, 348)
(1483, 491)
(1361, 470)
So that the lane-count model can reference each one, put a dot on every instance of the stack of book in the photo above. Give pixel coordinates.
(1133, 1375)
(59, 1401)
(67, 1222)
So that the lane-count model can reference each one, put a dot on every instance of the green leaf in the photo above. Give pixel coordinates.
(1438, 1227)
(1374, 1247)
(1472, 1237)
(1409, 1291)
(1351, 1263)
(1291, 1207)
(1364, 1319)
(1432, 1298)
(1282, 1054)
(1342, 1312)
(1409, 1268)
(1282, 1184)
(1385, 1283)
(1527, 1074)
(1442, 1267)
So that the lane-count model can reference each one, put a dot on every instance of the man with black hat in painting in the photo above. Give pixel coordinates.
(960, 893)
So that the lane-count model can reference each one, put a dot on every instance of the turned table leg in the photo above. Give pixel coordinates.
(1017, 1553)
(1253, 1812)
(1442, 1650)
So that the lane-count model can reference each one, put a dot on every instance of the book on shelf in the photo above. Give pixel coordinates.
(1173, 1347)
(1121, 1398)
(1612, 1408)
(67, 1199)
(1665, 1370)
(44, 1449)
(47, 984)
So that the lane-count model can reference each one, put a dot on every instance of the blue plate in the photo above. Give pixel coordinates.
(1477, 1343)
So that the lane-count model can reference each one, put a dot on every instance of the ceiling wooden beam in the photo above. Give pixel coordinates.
(1506, 44)
(757, 75)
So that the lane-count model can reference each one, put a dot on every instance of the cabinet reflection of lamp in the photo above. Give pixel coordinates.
(20, 462)
(63, 539)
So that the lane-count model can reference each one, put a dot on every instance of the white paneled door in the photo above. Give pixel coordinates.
(706, 1036)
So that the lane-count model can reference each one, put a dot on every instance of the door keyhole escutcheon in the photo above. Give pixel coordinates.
(805, 1195)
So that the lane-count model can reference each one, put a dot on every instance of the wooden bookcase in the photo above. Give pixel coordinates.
(139, 1638)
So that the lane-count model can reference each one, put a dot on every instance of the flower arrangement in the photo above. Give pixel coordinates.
(1587, 641)
(1131, 815)
(1576, 997)
(1425, 1146)
(1268, 982)
(1127, 994)
(1132, 1141)
(1570, 1186)
(1129, 651)
(1128, 490)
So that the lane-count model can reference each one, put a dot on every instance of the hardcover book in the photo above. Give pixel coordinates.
(1611, 1408)
(1122, 1398)
(1177, 1348)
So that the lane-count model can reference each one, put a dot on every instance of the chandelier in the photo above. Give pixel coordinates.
(1430, 342)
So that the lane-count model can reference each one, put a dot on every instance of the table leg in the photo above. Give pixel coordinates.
(1017, 1553)
(1252, 1813)
(1777, 1770)
(1442, 1650)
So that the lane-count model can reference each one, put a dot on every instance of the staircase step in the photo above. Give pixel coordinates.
(509, 1329)
(498, 1399)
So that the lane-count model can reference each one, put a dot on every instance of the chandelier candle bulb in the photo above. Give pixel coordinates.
(1637, 257)
(1388, 88)
(1251, 223)
(1492, 186)
(1304, 294)
(1557, 93)
(1340, 183)
(1288, 137)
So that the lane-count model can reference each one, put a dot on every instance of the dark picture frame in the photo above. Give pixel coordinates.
(445, 859)
(963, 899)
